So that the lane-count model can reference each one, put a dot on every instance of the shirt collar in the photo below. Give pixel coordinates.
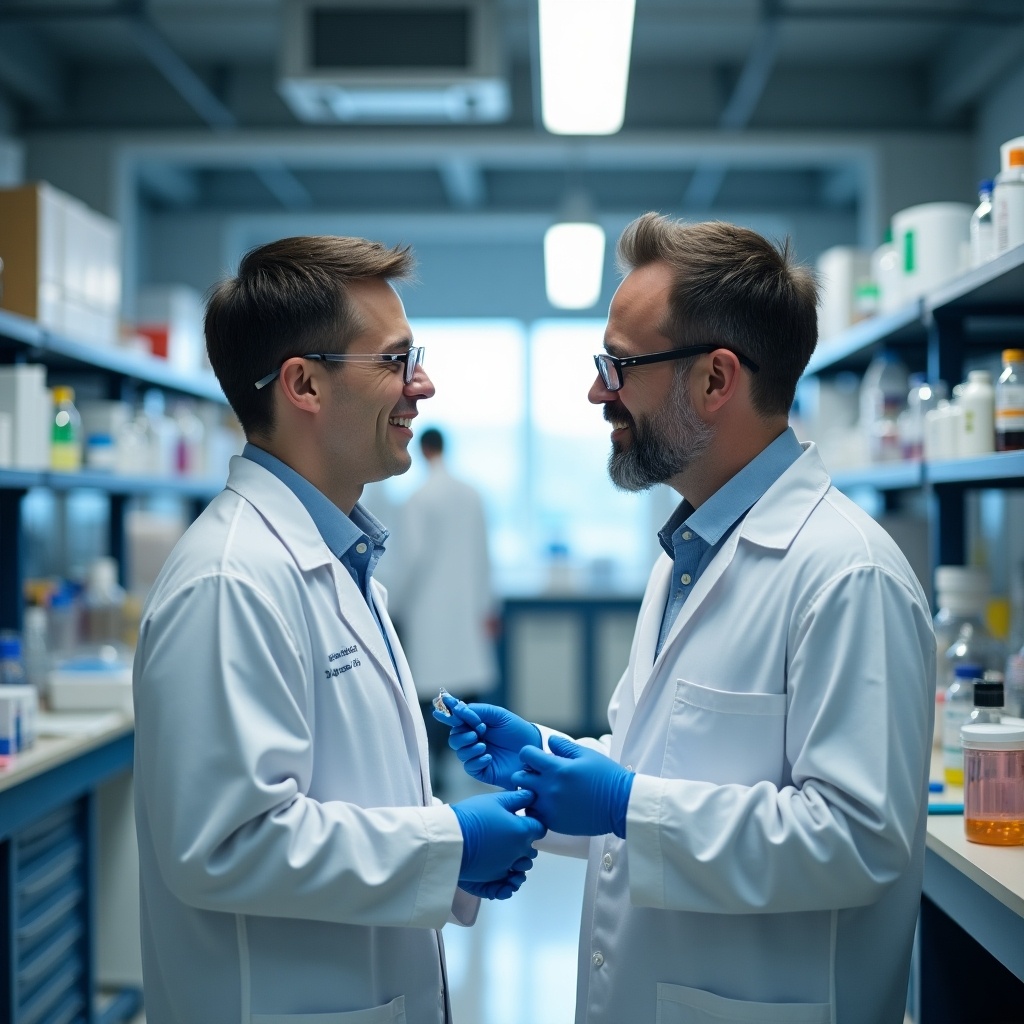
(727, 506)
(339, 531)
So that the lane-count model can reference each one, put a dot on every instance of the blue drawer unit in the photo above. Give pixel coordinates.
(48, 862)
(47, 891)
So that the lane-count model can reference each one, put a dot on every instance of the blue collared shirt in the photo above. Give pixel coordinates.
(691, 538)
(356, 540)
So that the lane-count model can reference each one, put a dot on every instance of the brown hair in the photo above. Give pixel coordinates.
(288, 298)
(734, 288)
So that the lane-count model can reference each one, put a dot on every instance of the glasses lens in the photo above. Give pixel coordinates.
(609, 372)
(414, 359)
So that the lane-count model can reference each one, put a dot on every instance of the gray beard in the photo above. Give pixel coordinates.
(664, 444)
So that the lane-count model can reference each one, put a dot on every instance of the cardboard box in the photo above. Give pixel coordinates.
(61, 263)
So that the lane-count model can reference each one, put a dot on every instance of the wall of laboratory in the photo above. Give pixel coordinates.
(1000, 118)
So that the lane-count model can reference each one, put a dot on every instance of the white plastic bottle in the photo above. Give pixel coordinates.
(104, 603)
(883, 394)
(983, 228)
(921, 398)
(977, 400)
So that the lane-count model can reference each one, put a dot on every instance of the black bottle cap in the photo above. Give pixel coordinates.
(988, 694)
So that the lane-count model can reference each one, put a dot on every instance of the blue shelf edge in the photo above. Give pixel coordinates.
(886, 476)
(22, 480)
(136, 365)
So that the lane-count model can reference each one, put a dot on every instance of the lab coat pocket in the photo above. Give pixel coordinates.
(678, 1004)
(725, 736)
(389, 1013)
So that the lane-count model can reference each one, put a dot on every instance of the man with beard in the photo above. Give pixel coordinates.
(758, 807)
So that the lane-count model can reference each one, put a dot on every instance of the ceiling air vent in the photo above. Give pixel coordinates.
(393, 61)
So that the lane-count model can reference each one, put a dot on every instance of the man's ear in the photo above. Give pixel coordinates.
(720, 380)
(301, 384)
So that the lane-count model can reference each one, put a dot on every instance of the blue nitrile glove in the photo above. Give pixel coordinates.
(579, 791)
(487, 739)
(496, 842)
(503, 888)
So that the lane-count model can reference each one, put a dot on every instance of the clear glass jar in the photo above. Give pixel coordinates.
(956, 711)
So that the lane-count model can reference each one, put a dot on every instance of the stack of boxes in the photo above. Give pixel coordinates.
(62, 263)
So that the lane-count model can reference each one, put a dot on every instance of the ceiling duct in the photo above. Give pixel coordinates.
(393, 61)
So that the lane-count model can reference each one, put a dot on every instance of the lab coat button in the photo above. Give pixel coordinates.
(361, 548)
(606, 860)
(598, 959)
(629, 767)
(685, 579)
(687, 535)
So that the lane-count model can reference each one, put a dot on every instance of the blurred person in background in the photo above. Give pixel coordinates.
(439, 587)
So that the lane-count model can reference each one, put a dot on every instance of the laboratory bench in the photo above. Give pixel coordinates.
(69, 889)
(969, 956)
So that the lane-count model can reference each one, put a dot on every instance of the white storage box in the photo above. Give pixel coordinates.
(88, 682)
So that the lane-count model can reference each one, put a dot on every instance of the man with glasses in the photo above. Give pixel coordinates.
(292, 859)
(758, 807)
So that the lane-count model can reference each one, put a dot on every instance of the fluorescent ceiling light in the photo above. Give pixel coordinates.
(584, 64)
(573, 263)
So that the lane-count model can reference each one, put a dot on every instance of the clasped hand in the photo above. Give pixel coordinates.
(497, 843)
(579, 792)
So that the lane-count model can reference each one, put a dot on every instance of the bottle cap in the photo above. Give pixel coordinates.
(10, 646)
(992, 736)
(62, 393)
(988, 694)
(985, 186)
(966, 671)
(1013, 355)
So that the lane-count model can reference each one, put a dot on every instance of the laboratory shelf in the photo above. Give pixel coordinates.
(995, 288)
(886, 476)
(28, 339)
(110, 483)
(854, 347)
(1000, 469)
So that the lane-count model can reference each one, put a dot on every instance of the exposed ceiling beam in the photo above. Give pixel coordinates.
(29, 70)
(282, 184)
(464, 183)
(707, 179)
(175, 185)
(975, 60)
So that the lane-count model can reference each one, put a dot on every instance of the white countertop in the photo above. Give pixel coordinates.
(61, 737)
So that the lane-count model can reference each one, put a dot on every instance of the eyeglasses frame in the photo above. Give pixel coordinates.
(605, 358)
(412, 357)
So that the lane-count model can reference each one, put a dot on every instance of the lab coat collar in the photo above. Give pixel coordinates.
(773, 522)
(290, 520)
(282, 509)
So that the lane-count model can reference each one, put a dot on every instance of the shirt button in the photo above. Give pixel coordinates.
(361, 548)
(629, 767)
(685, 579)
(598, 959)
(606, 860)
(687, 535)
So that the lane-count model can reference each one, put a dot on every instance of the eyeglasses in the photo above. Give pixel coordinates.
(412, 358)
(610, 368)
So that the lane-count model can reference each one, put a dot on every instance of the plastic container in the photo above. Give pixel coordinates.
(887, 273)
(1008, 208)
(931, 239)
(883, 393)
(66, 432)
(103, 603)
(941, 430)
(977, 428)
(35, 646)
(983, 227)
(1009, 402)
(956, 712)
(993, 755)
(12, 668)
(921, 398)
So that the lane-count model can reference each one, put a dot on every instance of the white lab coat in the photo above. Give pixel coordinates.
(439, 583)
(293, 863)
(774, 846)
